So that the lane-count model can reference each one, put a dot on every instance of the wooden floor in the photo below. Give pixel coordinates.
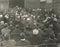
(11, 43)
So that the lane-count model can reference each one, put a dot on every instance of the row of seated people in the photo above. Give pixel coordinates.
(35, 26)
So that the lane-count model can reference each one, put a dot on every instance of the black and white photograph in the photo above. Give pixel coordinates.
(29, 23)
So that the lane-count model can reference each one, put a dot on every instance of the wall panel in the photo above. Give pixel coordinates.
(32, 4)
(14, 3)
(4, 4)
(56, 5)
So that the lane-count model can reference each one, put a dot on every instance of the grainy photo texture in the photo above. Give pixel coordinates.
(29, 23)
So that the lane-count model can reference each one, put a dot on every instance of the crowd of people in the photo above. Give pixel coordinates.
(34, 25)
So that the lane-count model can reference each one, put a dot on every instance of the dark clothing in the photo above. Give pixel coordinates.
(35, 40)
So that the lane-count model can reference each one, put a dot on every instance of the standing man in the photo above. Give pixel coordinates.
(5, 33)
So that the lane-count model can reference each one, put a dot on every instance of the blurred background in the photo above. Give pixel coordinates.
(30, 22)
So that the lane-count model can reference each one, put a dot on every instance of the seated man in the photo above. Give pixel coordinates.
(23, 40)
